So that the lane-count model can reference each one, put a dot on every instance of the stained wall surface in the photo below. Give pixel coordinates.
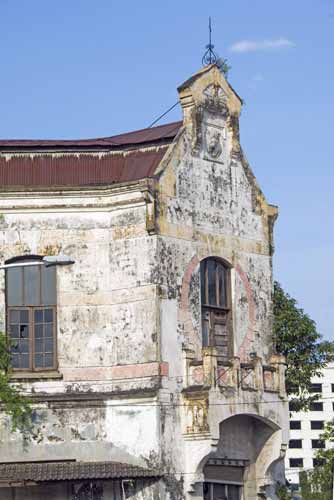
(134, 383)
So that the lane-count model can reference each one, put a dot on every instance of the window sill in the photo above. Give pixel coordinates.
(27, 376)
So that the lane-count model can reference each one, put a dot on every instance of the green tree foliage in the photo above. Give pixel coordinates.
(283, 492)
(296, 337)
(223, 66)
(318, 483)
(16, 406)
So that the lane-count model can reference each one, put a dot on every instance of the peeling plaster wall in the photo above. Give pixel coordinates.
(209, 204)
(106, 305)
(206, 210)
(128, 312)
(107, 330)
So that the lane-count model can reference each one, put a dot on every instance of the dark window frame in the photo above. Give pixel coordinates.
(318, 444)
(315, 389)
(33, 311)
(316, 406)
(296, 461)
(298, 425)
(216, 306)
(296, 443)
(209, 488)
(317, 424)
(318, 462)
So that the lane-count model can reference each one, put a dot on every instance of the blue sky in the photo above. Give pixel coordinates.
(75, 69)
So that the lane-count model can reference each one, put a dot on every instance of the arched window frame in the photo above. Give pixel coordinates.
(31, 314)
(216, 306)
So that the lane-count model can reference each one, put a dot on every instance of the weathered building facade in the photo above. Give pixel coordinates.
(150, 359)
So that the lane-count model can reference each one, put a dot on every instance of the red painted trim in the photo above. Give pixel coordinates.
(140, 370)
(249, 337)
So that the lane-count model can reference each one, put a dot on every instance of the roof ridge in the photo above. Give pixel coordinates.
(143, 129)
(106, 139)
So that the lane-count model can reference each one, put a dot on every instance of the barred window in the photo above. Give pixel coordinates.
(31, 314)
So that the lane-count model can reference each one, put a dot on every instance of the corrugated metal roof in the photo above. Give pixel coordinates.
(78, 170)
(142, 136)
(65, 471)
(118, 159)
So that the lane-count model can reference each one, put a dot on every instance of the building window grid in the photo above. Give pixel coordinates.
(317, 406)
(31, 316)
(296, 462)
(295, 443)
(316, 388)
(317, 424)
(318, 443)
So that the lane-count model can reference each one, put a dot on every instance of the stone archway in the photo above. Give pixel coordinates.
(231, 472)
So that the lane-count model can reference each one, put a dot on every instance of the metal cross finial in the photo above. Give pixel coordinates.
(209, 56)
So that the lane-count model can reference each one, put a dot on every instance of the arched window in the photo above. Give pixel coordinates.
(31, 313)
(216, 306)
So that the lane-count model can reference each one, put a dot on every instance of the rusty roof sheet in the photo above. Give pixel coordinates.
(112, 160)
(136, 137)
(70, 170)
(65, 471)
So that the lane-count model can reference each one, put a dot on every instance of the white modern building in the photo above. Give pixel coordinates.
(306, 428)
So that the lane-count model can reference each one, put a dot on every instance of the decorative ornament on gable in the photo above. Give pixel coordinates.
(213, 142)
(209, 56)
(215, 99)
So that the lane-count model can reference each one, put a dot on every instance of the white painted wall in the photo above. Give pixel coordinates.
(306, 434)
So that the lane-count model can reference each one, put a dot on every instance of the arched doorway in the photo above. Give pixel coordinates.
(232, 472)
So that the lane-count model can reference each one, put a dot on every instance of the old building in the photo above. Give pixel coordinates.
(149, 359)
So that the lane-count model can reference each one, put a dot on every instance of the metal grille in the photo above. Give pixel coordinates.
(88, 491)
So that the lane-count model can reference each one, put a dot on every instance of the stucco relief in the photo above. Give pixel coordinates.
(214, 95)
(197, 415)
(213, 142)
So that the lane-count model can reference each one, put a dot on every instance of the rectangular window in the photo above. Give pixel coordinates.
(31, 316)
(316, 406)
(292, 406)
(317, 424)
(225, 491)
(215, 310)
(318, 462)
(296, 462)
(318, 443)
(295, 443)
(332, 387)
(316, 388)
(295, 424)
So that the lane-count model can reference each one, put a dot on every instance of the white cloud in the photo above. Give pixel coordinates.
(253, 46)
(255, 81)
